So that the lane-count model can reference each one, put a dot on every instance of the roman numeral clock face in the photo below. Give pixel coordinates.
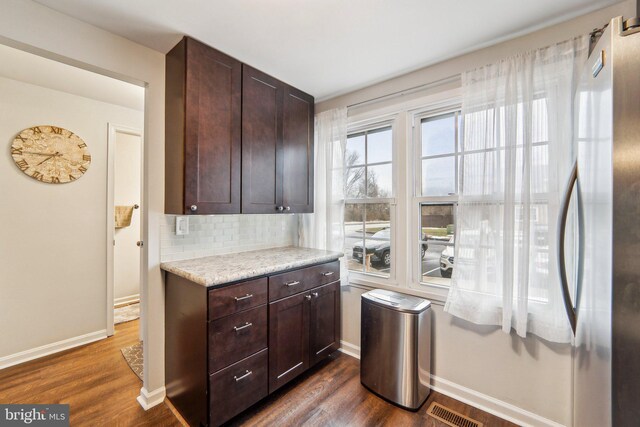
(50, 154)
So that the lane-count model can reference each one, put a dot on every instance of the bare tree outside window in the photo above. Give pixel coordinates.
(368, 178)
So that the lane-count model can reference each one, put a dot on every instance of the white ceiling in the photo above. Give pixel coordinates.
(327, 47)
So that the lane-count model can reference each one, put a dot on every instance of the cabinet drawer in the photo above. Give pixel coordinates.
(237, 336)
(286, 284)
(237, 387)
(325, 273)
(235, 298)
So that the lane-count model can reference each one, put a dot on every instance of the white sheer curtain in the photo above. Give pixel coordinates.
(517, 124)
(324, 229)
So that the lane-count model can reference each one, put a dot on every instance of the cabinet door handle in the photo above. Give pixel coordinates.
(279, 208)
(288, 208)
(247, 296)
(295, 282)
(245, 326)
(315, 294)
(243, 376)
(308, 297)
(193, 208)
(327, 273)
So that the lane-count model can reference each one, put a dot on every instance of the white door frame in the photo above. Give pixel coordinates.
(113, 129)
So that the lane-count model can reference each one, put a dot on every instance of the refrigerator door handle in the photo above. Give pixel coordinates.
(562, 224)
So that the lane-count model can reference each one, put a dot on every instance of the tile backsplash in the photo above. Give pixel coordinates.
(218, 234)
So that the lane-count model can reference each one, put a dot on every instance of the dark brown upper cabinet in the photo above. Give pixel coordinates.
(297, 140)
(203, 130)
(237, 139)
(262, 104)
(277, 145)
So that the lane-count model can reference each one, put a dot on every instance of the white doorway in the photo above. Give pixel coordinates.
(124, 227)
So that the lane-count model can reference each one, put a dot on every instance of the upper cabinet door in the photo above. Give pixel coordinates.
(213, 130)
(297, 172)
(262, 98)
(203, 106)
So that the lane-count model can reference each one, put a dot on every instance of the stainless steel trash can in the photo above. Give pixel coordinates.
(395, 347)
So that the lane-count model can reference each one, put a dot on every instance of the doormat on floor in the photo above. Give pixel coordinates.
(133, 356)
(126, 313)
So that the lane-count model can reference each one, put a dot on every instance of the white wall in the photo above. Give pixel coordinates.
(526, 379)
(36, 28)
(530, 378)
(219, 234)
(54, 237)
(127, 192)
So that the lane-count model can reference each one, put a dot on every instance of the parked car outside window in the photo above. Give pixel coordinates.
(446, 260)
(379, 247)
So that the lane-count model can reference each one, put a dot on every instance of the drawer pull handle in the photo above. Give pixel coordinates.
(327, 273)
(247, 296)
(295, 282)
(241, 377)
(245, 326)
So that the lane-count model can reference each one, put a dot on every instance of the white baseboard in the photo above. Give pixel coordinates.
(149, 399)
(118, 302)
(45, 350)
(471, 397)
(489, 404)
(350, 349)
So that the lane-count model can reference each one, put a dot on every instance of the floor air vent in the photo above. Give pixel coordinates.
(450, 417)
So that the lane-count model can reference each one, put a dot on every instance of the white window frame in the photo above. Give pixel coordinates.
(434, 290)
(371, 124)
(403, 244)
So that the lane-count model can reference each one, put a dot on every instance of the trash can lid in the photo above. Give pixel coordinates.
(397, 301)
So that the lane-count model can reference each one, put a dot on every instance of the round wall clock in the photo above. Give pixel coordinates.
(50, 154)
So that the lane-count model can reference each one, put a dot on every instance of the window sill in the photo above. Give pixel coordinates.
(436, 294)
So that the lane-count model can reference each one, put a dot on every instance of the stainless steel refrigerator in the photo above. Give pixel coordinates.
(603, 302)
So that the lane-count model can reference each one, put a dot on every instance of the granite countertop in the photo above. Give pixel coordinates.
(220, 269)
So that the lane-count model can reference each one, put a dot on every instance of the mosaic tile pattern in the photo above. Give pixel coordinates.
(134, 357)
(219, 234)
(217, 270)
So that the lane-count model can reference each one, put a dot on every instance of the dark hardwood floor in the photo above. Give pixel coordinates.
(101, 390)
(93, 379)
(331, 395)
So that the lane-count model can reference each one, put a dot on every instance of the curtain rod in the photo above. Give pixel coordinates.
(408, 91)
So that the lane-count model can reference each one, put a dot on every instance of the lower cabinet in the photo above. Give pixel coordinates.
(324, 322)
(235, 388)
(303, 330)
(228, 347)
(289, 339)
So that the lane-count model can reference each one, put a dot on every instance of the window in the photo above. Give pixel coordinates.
(438, 153)
(369, 199)
(485, 169)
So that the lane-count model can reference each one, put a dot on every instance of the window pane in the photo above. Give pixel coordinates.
(353, 235)
(355, 154)
(379, 146)
(368, 244)
(438, 176)
(436, 244)
(380, 181)
(540, 122)
(354, 183)
(438, 135)
(540, 169)
(378, 239)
